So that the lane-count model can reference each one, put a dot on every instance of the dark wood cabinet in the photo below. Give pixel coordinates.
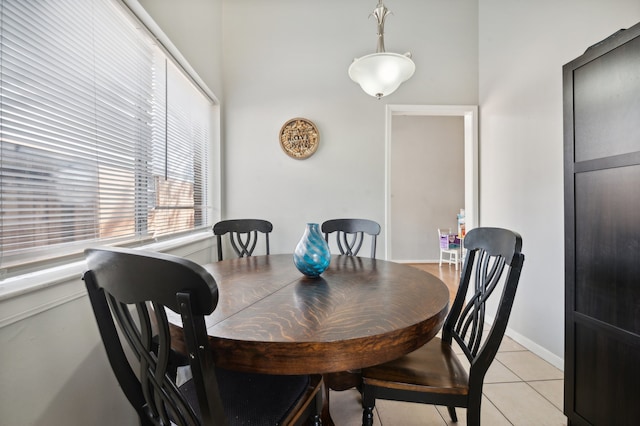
(602, 232)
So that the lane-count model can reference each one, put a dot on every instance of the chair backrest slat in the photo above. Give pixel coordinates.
(493, 259)
(138, 306)
(243, 235)
(350, 234)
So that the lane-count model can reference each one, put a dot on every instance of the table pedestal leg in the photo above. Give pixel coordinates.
(326, 414)
(337, 381)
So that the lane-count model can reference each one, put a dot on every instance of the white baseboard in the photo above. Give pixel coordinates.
(532, 346)
(543, 353)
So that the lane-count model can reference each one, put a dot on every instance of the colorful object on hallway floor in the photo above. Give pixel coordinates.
(449, 241)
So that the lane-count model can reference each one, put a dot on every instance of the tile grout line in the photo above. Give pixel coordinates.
(485, 396)
(544, 397)
(525, 382)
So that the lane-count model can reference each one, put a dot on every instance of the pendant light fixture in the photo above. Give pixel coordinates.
(380, 74)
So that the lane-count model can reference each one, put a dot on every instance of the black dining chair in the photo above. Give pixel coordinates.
(349, 237)
(139, 290)
(433, 374)
(243, 235)
(350, 233)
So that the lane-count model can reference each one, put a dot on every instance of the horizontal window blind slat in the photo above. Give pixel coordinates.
(86, 155)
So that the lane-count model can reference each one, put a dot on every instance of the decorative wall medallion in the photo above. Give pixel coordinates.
(299, 138)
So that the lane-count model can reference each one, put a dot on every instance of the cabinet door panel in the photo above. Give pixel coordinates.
(608, 246)
(607, 104)
(607, 373)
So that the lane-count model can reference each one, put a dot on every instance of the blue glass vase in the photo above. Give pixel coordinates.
(312, 255)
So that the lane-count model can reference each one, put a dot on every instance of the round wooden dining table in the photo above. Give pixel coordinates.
(360, 312)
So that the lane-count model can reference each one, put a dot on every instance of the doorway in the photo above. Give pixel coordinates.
(469, 124)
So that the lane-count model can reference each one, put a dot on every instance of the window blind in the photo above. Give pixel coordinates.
(103, 139)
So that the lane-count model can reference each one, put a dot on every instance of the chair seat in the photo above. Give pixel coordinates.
(256, 399)
(433, 368)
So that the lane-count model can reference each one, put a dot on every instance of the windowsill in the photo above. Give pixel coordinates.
(48, 277)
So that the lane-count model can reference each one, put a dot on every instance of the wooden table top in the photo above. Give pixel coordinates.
(360, 312)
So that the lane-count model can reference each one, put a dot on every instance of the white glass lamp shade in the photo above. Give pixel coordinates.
(380, 74)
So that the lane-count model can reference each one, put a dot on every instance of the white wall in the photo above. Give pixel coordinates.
(523, 46)
(55, 371)
(289, 59)
(195, 28)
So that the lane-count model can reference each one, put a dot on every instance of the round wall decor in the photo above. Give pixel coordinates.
(299, 138)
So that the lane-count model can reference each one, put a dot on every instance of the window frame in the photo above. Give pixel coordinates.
(18, 279)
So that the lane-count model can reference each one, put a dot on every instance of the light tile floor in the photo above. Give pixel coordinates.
(520, 389)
